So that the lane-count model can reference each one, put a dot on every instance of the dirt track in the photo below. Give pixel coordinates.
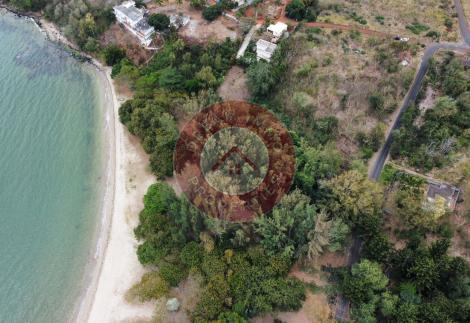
(347, 27)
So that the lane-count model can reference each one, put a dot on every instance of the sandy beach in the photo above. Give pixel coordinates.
(119, 268)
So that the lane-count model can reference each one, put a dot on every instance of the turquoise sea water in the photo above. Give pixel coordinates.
(50, 166)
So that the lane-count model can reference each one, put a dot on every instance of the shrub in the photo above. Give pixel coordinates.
(338, 235)
(198, 4)
(377, 248)
(151, 286)
(212, 300)
(380, 19)
(296, 9)
(365, 279)
(113, 54)
(281, 294)
(149, 253)
(376, 102)
(159, 21)
(172, 274)
(306, 68)
(358, 19)
(231, 317)
(212, 12)
(261, 79)
(192, 254)
(433, 34)
(417, 28)
(213, 264)
(448, 23)
(228, 4)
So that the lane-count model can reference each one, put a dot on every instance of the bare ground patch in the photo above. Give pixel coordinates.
(234, 86)
(119, 35)
(335, 74)
(392, 16)
(198, 29)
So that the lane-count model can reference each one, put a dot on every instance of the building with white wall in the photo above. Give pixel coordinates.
(278, 29)
(265, 49)
(135, 20)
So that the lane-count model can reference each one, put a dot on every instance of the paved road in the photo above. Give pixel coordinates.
(342, 309)
(410, 98)
(463, 22)
(416, 86)
(246, 41)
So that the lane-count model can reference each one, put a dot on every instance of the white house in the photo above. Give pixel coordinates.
(265, 49)
(278, 29)
(135, 20)
(241, 3)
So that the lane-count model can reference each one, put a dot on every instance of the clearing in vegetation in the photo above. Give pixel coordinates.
(433, 19)
(346, 80)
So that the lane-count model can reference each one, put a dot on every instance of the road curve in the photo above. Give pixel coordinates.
(342, 308)
(415, 87)
(409, 98)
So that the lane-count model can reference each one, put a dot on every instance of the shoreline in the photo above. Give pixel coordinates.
(109, 102)
(109, 107)
(112, 267)
(92, 274)
(99, 300)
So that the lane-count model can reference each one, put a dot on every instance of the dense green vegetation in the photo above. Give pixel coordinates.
(444, 128)
(244, 268)
(113, 55)
(82, 21)
(418, 283)
(179, 79)
(266, 78)
(238, 276)
(423, 284)
(212, 12)
(159, 21)
(29, 5)
(303, 9)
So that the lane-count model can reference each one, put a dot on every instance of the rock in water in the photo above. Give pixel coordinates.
(172, 305)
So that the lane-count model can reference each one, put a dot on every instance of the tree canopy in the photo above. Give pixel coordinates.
(159, 21)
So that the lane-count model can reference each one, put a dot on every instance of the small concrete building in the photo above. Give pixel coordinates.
(265, 49)
(446, 191)
(241, 3)
(179, 20)
(278, 29)
(135, 20)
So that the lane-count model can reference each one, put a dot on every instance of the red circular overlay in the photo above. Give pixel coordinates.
(278, 171)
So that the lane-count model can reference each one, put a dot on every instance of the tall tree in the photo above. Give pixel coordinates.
(286, 229)
(356, 195)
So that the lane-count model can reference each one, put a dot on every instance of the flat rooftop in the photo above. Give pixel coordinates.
(265, 46)
(131, 12)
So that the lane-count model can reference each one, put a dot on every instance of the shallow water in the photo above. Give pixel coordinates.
(50, 168)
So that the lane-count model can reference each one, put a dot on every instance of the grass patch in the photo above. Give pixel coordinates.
(417, 28)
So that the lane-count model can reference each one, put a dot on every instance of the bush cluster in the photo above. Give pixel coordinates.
(445, 127)
(169, 81)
